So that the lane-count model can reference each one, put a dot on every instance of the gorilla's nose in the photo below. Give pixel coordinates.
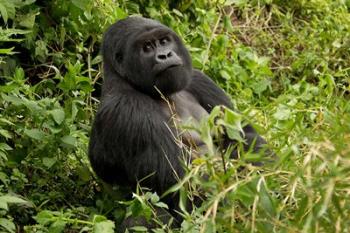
(166, 58)
(163, 56)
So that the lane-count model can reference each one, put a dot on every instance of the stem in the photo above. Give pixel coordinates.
(206, 56)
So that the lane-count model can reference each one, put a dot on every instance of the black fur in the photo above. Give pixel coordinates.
(131, 137)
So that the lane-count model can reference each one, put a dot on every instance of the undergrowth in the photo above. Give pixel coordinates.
(285, 64)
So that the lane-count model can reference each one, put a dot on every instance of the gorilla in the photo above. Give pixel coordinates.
(149, 88)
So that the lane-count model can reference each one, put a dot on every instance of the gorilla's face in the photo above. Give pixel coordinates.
(152, 58)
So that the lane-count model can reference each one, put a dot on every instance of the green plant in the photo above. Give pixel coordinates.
(284, 64)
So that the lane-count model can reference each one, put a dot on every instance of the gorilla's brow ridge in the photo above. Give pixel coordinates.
(154, 34)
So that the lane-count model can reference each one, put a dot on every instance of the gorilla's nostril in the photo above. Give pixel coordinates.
(170, 54)
(162, 56)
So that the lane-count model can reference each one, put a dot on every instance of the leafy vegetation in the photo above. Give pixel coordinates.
(286, 64)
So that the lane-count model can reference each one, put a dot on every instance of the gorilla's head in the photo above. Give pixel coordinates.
(148, 55)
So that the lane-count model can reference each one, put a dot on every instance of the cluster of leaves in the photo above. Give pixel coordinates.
(285, 64)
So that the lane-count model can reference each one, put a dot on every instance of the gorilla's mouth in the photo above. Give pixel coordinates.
(172, 66)
(159, 68)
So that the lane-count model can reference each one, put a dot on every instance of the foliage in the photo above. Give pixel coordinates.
(284, 63)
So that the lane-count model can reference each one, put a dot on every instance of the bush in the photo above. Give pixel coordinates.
(285, 64)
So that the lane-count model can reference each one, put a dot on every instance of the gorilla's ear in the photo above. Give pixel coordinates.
(118, 57)
(118, 63)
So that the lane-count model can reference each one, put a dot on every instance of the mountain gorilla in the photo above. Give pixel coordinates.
(148, 82)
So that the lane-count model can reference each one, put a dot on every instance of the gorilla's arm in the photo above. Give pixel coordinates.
(130, 140)
(209, 95)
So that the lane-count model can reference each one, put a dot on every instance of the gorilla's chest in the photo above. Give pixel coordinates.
(182, 109)
(186, 107)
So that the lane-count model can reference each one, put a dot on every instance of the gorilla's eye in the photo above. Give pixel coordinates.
(147, 47)
(164, 40)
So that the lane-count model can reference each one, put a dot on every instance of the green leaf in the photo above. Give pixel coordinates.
(32, 105)
(28, 20)
(75, 110)
(3, 120)
(139, 229)
(7, 33)
(5, 133)
(35, 134)
(84, 173)
(154, 198)
(69, 141)
(99, 218)
(161, 205)
(245, 195)
(178, 13)
(225, 75)
(177, 186)
(19, 74)
(7, 224)
(49, 162)
(57, 227)
(41, 51)
(96, 60)
(104, 227)
(12, 99)
(58, 115)
(3, 11)
(4, 205)
(81, 4)
(10, 199)
(13, 199)
(4, 178)
(260, 86)
(10, 9)
(266, 202)
(282, 113)
(8, 51)
(227, 23)
(120, 13)
(44, 217)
